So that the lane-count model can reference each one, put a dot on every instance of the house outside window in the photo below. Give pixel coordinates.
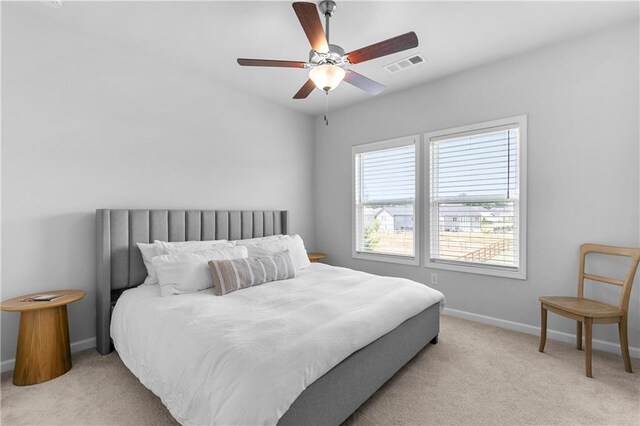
(384, 186)
(477, 198)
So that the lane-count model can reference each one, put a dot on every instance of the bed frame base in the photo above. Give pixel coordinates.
(332, 398)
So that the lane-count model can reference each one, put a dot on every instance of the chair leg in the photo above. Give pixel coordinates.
(624, 344)
(543, 327)
(579, 335)
(588, 322)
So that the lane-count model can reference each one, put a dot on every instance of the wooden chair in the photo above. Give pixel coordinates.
(591, 312)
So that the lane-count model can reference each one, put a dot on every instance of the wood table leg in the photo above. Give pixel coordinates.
(588, 322)
(543, 328)
(43, 346)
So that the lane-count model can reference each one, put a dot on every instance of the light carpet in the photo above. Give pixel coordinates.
(475, 375)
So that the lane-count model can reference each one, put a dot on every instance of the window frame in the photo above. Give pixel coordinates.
(417, 203)
(492, 270)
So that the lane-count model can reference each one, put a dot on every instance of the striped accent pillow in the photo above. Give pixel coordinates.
(236, 274)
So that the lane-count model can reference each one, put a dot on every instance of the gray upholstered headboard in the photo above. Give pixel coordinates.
(119, 262)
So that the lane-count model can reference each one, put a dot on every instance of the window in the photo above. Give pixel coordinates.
(477, 203)
(384, 194)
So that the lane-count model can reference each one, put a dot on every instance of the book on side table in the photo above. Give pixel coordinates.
(41, 298)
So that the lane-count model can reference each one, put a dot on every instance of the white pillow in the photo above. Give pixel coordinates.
(258, 239)
(297, 250)
(164, 247)
(293, 244)
(149, 251)
(189, 272)
(158, 248)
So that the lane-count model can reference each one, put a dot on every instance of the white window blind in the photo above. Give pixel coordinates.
(385, 193)
(475, 198)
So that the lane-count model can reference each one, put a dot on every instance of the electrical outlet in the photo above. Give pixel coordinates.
(56, 4)
(434, 278)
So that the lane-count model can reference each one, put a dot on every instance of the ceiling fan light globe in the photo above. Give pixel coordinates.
(327, 77)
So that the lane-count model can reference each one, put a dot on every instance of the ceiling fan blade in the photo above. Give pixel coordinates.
(310, 20)
(384, 48)
(305, 90)
(364, 83)
(270, 63)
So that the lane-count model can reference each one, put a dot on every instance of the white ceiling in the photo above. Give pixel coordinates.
(207, 37)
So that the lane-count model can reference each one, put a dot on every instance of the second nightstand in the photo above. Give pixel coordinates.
(316, 257)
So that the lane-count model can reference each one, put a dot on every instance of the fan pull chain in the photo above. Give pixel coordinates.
(326, 109)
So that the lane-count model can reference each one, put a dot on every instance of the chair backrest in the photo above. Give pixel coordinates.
(626, 284)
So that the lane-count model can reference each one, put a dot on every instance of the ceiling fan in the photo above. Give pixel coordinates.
(328, 63)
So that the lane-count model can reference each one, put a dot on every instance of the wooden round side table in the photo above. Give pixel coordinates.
(43, 350)
(316, 257)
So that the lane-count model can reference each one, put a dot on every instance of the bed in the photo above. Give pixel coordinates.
(328, 398)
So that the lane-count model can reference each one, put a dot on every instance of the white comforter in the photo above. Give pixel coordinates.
(243, 358)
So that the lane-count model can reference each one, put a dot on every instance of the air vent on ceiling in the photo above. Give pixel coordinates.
(405, 63)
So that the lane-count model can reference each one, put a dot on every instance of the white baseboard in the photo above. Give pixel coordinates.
(78, 346)
(530, 329)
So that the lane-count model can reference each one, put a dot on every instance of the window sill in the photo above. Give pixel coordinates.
(520, 274)
(400, 260)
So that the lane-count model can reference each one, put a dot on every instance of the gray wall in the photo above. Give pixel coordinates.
(90, 124)
(581, 98)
